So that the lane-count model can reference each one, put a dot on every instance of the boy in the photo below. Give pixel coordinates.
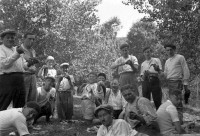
(46, 98)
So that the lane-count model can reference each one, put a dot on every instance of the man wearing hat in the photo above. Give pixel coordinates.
(48, 69)
(127, 66)
(12, 66)
(113, 127)
(64, 97)
(177, 73)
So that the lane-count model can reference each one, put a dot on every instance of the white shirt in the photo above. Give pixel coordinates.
(11, 61)
(126, 67)
(167, 114)
(50, 73)
(147, 65)
(116, 101)
(43, 96)
(64, 84)
(119, 127)
(12, 120)
(176, 68)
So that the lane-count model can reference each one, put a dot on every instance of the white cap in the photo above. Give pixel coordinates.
(50, 58)
(64, 64)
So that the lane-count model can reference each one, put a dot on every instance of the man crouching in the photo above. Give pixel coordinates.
(17, 119)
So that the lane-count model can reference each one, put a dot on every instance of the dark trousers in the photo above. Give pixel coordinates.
(152, 86)
(46, 110)
(30, 87)
(64, 103)
(12, 89)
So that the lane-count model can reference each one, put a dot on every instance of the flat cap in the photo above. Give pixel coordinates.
(64, 64)
(123, 46)
(170, 45)
(106, 107)
(7, 31)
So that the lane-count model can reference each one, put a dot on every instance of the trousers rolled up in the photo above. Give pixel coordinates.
(12, 89)
(152, 86)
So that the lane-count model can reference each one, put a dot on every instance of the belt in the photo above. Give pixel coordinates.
(63, 91)
(12, 73)
(26, 73)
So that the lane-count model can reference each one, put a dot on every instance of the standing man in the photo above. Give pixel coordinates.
(29, 74)
(12, 66)
(176, 72)
(127, 66)
(150, 69)
(64, 97)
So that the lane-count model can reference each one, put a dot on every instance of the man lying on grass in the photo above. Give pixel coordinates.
(17, 119)
(113, 127)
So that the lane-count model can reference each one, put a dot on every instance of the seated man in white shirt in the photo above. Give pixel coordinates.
(46, 98)
(168, 119)
(115, 98)
(112, 127)
(16, 119)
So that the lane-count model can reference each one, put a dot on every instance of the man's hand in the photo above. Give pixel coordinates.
(32, 61)
(132, 115)
(60, 78)
(44, 66)
(156, 67)
(19, 50)
(129, 62)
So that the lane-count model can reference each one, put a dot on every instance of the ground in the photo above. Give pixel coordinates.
(79, 129)
(55, 128)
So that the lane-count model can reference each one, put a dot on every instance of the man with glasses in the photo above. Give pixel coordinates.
(12, 66)
(176, 72)
(127, 66)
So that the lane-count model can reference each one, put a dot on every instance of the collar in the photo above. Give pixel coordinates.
(170, 102)
(172, 56)
(110, 127)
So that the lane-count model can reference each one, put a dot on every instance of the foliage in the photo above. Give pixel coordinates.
(178, 23)
(68, 30)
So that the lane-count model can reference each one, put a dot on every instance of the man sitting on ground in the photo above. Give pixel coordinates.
(16, 119)
(112, 127)
(139, 112)
(46, 98)
(168, 119)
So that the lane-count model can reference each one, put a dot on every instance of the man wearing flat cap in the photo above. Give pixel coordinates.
(127, 66)
(64, 97)
(113, 127)
(12, 66)
(176, 71)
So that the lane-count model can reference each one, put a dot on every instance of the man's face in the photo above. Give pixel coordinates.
(50, 63)
(124, 51)
(176, 100)
(101, 78)
(9, 40)
(129, 95)
(92, 78)
(65, 69)
(48, 83)
(147, 53)
(30, 114)
(115, 84)
(29, 41)
(170, 51)
(105, 117)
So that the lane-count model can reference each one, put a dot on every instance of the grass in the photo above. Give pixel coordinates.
(55, 128)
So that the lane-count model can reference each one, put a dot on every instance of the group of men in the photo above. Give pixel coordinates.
(18, 85)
